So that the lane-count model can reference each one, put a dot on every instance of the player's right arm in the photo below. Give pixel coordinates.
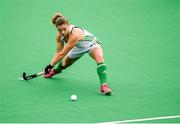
(60, 44)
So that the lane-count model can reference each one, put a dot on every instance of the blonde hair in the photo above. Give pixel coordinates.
(59, 19)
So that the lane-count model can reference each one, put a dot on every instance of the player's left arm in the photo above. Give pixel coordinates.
(73, 39)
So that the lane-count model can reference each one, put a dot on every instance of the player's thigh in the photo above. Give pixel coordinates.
(97, 54)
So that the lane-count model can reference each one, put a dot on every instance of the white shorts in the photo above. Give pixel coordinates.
(76, 52)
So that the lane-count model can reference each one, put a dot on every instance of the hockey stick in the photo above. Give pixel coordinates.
(29, 77)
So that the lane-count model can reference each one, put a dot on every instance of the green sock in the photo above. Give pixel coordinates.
(102, 73)
(59, 68)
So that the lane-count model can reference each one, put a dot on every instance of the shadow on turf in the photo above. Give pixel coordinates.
(59, 83)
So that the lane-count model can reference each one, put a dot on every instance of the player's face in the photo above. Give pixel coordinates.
(63, 29)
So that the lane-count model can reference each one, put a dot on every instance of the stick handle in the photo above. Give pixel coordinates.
(40, 73)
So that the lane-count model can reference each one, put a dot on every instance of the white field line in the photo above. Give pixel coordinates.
(140, 120)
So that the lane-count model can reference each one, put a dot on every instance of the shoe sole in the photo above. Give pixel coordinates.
(108, 92)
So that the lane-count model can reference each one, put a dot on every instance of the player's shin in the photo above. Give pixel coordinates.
(102, 72)
(59, 68)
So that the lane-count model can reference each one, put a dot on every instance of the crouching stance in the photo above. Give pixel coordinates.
(78, 42)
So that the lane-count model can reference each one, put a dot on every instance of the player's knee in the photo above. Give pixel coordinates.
(99, 59)
(65, 65)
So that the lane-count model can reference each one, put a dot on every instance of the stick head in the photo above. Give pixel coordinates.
(24, 76)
